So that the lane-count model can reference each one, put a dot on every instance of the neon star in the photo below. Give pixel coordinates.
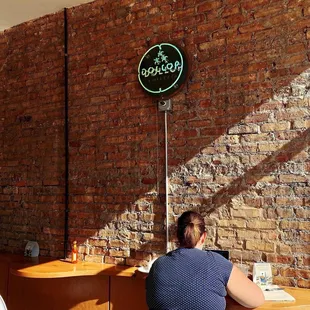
(164, 58)
(157, 61)
(160, 53)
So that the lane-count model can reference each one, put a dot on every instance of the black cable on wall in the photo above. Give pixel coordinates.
(66, 233)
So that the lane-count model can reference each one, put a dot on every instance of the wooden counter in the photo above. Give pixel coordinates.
(65, 269)
(301, 295)
(49, 284)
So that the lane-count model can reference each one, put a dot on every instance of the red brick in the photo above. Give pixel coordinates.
(116, 135)
(208, 6)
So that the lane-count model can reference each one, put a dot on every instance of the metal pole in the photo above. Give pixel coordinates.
(167, 184)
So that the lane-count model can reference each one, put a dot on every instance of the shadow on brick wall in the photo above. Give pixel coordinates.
(239, 75)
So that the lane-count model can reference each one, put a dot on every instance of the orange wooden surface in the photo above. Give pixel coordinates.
(127, 293)
(60, 268)
(301, 295)
(79, 293)
(44, 283)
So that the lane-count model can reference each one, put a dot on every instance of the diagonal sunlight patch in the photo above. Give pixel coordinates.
(233, 179)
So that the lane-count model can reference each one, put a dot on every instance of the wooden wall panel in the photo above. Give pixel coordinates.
(79, 293)
(127, 293)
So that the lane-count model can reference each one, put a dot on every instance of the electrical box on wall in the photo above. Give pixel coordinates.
(164, 105)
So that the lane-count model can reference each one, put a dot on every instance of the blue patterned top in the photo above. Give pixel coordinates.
(188, 279)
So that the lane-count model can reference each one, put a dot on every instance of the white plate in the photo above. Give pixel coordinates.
(2, 304)
(143, 269)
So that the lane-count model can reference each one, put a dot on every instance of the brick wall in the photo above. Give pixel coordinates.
(32, 138)
(238, 132)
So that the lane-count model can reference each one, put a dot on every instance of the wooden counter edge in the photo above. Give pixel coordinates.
(61, 269)
(302, 302)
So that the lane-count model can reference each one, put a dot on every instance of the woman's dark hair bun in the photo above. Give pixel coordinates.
(191, 226)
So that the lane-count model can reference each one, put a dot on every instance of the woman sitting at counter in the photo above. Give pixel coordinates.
(189, 278)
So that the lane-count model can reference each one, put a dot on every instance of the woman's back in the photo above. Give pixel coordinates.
(188, 278)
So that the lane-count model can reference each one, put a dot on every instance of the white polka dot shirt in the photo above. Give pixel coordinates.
(188, 279)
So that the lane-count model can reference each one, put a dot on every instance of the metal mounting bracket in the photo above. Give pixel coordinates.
(164, 105)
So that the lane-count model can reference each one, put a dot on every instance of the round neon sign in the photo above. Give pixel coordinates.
(162, 70)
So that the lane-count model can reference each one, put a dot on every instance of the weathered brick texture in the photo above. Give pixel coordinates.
(32, 137)
(238, 133)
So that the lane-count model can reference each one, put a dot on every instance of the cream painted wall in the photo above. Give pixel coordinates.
(15, 12)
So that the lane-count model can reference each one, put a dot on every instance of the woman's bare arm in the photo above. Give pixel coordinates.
(243, 290)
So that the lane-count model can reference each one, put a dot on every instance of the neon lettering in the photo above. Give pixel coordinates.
(164, 68)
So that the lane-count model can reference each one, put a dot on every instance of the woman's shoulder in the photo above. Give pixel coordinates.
(192, 253)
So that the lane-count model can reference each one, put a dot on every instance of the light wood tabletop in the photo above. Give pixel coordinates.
(62, 269)
(301, 295)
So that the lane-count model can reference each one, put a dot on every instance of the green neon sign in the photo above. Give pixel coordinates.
(162, 70)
